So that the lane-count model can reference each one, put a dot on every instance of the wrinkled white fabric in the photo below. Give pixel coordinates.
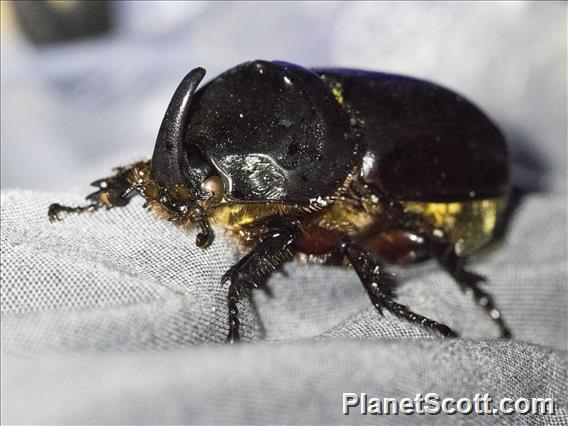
(116, 317)
(138, 292)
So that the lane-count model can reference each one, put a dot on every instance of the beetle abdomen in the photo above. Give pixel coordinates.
(422, 142)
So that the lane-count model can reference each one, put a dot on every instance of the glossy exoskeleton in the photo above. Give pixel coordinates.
(335, 165)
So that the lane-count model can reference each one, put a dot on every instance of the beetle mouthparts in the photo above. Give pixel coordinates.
(205, 236)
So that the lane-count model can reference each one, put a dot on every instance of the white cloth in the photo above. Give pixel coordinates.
(101, 315)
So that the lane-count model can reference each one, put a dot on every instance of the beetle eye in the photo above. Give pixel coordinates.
(214, 185)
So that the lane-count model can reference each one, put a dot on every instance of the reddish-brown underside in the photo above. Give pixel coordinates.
(318, 241)
(396, 247)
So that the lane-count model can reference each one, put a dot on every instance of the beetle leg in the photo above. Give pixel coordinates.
(275, 247)
(446, 256)
(379, 284)
(113, 191)
(444, 252)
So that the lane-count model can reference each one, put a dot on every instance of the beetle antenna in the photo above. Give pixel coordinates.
(167, 161)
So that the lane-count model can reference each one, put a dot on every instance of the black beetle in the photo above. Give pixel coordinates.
(332, 165)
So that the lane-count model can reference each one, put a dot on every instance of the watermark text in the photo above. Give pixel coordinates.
(431, 403)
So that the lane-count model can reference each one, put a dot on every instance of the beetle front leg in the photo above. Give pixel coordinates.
(114, 191)
(275, 247)
(379, 284)
(447, 257)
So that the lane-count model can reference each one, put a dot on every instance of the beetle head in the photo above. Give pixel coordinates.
(180, 176)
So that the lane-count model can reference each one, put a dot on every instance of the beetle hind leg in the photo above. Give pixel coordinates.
(113, 191)
(441, 249)
(379, 284)
(454, 265)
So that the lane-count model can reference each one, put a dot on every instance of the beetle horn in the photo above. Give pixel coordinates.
(167, 161)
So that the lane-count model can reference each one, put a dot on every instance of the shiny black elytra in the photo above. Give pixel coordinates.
(331, 165)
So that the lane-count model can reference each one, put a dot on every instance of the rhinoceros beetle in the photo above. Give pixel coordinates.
(329, 165)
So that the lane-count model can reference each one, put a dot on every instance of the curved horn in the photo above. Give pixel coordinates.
(167, 160)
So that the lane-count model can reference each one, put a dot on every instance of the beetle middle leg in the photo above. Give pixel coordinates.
(275, 247)
(379, 284)
(113, 191)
